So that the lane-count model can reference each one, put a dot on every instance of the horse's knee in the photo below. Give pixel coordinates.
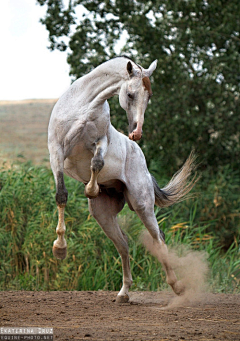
(61, 197)
(62, 193)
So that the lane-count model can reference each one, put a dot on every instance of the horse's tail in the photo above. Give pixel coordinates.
(178, 187)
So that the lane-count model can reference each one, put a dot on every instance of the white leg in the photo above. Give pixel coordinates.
(143, 205)
(104, 209)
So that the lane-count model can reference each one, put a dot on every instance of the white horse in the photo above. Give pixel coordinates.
(84, 145)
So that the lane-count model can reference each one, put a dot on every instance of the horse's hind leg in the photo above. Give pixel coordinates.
(57, 159)
(144, 207)
(104, 209)
(97, 163)
(160, 249)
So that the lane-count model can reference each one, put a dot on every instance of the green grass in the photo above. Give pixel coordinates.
(28, 219)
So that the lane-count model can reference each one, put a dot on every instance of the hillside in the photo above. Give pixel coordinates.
(23, 130)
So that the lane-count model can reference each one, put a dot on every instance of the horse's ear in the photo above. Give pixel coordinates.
(152, 67)
(148, 72)
(130, 68)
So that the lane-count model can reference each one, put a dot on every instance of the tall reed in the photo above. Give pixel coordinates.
(28, 219)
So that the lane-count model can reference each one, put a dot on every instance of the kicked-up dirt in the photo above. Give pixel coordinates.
(81, 315)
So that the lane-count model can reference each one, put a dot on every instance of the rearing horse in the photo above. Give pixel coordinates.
(84, 145)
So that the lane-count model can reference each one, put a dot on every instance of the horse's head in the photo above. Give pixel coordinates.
(134, 96)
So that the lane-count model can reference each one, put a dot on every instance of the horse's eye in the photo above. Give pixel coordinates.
(130, 95)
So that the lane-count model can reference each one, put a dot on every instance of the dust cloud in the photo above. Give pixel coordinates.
(190, 267)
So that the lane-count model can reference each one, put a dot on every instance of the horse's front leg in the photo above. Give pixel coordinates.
(97, 163)
(57, 160)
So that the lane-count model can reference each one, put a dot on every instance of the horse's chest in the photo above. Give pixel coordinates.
(77, 165)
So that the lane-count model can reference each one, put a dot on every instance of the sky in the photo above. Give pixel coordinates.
(28, 69)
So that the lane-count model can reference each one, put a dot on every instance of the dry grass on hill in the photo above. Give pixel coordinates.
(23, 130)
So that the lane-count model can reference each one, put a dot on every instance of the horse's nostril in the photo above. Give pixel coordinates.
(134, 126)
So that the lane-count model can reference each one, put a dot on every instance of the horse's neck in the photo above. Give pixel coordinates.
(116, 67)
(106, 80)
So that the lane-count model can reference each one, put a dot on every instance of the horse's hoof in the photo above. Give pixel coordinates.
(91, 194)
(122, 299)
(59, 253)
(178, 288)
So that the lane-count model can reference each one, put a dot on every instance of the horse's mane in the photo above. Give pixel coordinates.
(124, 56)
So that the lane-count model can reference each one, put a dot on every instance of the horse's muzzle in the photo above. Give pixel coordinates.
(136, 134)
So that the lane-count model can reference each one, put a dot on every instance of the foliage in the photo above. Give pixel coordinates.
(218, 201)
(196, 84)
(28, 218)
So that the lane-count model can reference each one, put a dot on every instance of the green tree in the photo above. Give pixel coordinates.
(196, 84)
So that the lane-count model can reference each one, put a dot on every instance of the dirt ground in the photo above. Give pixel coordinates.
(91, 315)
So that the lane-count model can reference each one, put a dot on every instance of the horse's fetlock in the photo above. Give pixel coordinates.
(128, 282)
(171, 281)
(91, 190)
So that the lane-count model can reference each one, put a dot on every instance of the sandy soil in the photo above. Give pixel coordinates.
(96, 316)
